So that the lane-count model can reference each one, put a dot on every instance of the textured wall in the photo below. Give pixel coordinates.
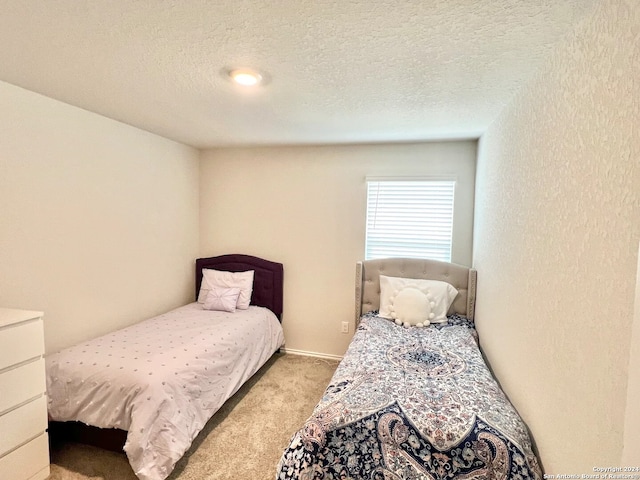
(556, 241)
(98, 220)
(631, 450)
(306, 207)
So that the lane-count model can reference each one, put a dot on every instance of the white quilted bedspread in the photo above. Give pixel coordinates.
(161, 379)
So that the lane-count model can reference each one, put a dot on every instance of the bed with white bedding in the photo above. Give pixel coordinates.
(162, 379)
(412, 397)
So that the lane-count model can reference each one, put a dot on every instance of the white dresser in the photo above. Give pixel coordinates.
(24, 444)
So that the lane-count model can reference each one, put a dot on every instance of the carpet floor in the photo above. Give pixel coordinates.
(243, 441)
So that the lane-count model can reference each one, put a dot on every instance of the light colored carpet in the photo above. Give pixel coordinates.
(243, 440)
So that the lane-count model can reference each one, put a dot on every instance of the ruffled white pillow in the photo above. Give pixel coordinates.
(441, 295)
(216, 278)
(222, 299)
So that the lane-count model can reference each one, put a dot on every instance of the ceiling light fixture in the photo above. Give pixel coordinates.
(246, 77)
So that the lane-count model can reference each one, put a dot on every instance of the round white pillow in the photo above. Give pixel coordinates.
(410, 306)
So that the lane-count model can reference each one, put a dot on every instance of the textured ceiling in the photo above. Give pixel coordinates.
(341, 70)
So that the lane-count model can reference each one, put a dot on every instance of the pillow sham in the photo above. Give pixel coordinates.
(216, 278)
(222, 299)
(440, 295)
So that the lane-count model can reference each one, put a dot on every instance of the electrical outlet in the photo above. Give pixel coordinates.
(345, 327)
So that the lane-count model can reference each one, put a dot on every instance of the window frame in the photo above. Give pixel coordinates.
(412, 253)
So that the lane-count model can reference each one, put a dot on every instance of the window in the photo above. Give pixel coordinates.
(409, 218)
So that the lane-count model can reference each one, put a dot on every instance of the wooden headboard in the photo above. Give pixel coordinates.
(368, 281)
(267, 279)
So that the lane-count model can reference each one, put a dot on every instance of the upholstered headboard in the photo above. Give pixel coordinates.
(268, 277)
(368, 281)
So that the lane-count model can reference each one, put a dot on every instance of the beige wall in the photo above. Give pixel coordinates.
(98, 220)
(306, 207)
(556, 242)
(631, 450)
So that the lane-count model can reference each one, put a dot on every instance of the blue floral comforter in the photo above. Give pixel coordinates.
(412, 403)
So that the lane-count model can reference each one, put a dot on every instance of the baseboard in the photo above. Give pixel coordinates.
(311, 354)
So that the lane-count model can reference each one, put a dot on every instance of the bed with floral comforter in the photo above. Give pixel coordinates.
(412, 403)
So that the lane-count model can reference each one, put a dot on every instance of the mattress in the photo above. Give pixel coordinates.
(412, 403)
(161, 379)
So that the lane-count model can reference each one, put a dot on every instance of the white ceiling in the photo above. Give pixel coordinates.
(342, 70)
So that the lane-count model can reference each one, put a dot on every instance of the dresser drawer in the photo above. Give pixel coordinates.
(22, 383)
(22, 424)
(21, 342)
(30, 461)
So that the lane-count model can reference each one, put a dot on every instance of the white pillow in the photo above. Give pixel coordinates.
(223, 299)
(441, 295)
(411, 307)
(216, 278)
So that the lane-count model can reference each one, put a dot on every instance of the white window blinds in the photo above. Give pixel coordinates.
(407, 218)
